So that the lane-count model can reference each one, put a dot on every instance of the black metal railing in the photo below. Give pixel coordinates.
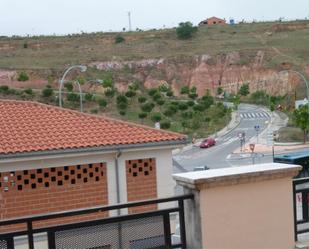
(300, 203)
(150, 229)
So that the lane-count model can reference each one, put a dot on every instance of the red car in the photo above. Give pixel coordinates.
(207, 143)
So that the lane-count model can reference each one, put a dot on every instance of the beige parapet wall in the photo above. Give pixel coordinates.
(247, 207)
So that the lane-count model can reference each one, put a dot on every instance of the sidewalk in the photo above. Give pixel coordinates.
(235, 120)
(277, 121)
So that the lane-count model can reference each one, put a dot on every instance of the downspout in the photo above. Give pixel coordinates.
(118, 154)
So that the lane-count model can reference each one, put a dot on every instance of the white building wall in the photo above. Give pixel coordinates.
(163, 156)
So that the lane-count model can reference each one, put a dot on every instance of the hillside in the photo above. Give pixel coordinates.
(225, 56)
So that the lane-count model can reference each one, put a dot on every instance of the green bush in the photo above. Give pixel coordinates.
(69, 86)
(185, 30)
(122, 105)
(119, 39)
(4, 89)
(147, 107)
(156, 117)
(165, 124)
(122, 112)
(142, 99)
(182, 106)
(190, 103)
(94, 111)
(152, 92)
(169, 93)
(47, 91)
(102, 102)
(108, 82)
(73, 97)
(23, 76)
(156, 96)
(160, 102)
(142, 115)
(110, 92)
(185, 90)
(29, 91)
(122, 99)
(130, 94)
(89, 96)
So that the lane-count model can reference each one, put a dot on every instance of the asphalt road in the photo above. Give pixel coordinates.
(217, 156)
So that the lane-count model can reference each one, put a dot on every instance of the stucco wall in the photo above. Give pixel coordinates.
(248, 216)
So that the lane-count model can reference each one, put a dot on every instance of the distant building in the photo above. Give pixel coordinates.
(212, 21)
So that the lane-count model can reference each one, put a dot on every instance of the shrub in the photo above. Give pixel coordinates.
(89, 96)
(169, 93)
(156, 117)
(193, 95)
(47, 91)
(122, 112)
(142, 99)
(122, 99)
(142, 115)
(187, 115)
(156, 96)
(185, 30)
(152, 92)
(110, 92)
(73, 97)
(163, 88)
(29, 91)
(119, 39)
(244, 90)
(185, 90)
(147, 107)
(23, 76)
(69, 86)
(108, 82)
(102, 102)
(190, 103)
(182, 106)
(4, 89)
(199, 107)
(165, 124)
(160, 102)
(130, 94)
(122, 106)
(25, 45)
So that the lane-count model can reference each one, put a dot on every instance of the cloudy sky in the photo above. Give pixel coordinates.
(22, 17)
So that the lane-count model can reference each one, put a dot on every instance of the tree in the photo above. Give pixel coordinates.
(165, 124)
(89, 96)
(156, 117)
(185, 30)
(110, 92)
(23, 76)
(185, 90)
(142, 99)
(142, 116)
(73, 97)
(4, 89)
(169, 93)
(219, 90)
(147, 107)
(69, 86)
(47, 91)
(244, 90)
(130, 94)
(152, 91)
(301, 117)
(182, 106)
(108, 82)
(102, 102)
(29, 91)
(119, 39)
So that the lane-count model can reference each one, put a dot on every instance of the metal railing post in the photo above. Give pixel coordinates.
(10, 243)
(294, 210)
(182, 225)
(167, 230)
(30, 234)
(51, 240)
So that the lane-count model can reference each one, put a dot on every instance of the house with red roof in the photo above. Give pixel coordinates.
(212, 21)
(54, 159)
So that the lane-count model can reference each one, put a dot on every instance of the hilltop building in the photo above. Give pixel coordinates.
(213, 21)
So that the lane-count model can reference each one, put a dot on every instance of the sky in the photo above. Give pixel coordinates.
(45, 17)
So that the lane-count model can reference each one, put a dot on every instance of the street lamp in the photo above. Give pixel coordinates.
(303, 78)
(82, 68)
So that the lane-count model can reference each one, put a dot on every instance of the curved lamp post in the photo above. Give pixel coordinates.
(82, 68)
(303, 78)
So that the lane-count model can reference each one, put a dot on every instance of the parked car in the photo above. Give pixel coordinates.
(207, 143)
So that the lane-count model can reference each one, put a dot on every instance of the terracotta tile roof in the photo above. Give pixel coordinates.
(29, 127)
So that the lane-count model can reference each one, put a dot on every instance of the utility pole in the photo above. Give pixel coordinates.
(129, 16)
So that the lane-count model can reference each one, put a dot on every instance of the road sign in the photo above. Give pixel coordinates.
(257, 128)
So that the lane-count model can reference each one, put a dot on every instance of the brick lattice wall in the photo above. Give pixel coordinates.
(141, 182)
(37, 191)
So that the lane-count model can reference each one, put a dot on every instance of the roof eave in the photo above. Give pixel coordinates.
(108, 148)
